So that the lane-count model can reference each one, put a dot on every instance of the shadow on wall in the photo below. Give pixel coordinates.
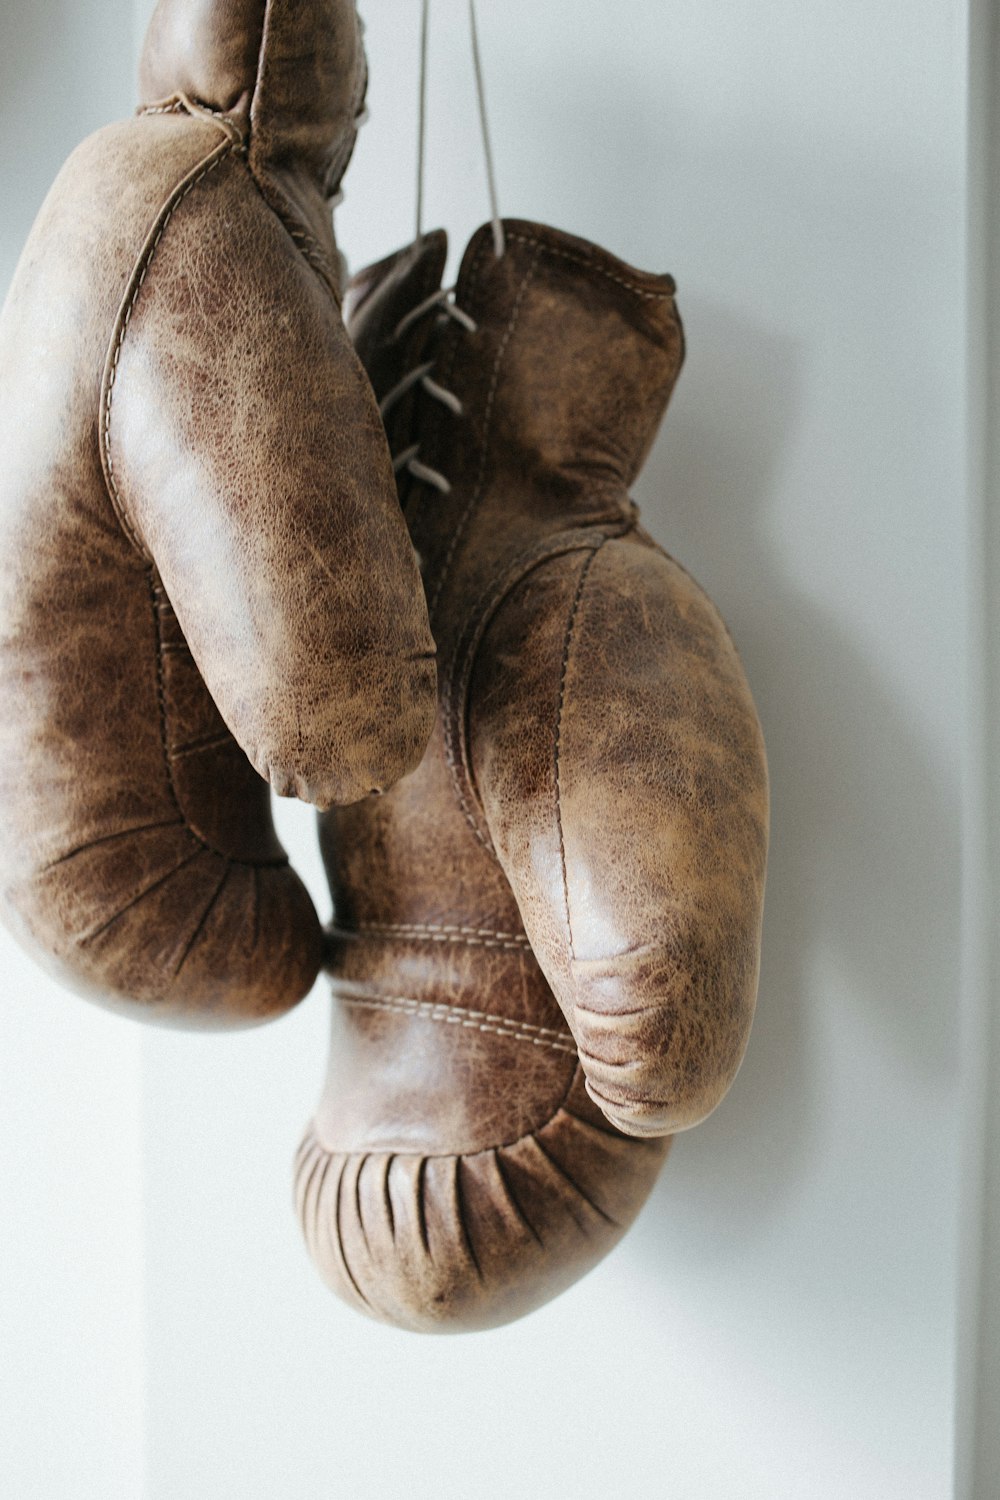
(863, 844)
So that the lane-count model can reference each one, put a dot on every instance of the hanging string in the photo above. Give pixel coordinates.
(422, 117)
(499, 242)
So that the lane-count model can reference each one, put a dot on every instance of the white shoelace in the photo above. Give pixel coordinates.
(443, 300)
(499, 243)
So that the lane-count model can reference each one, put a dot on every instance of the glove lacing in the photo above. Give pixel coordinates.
(444, 300)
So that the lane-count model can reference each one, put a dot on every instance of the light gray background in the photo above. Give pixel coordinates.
(789, 1319)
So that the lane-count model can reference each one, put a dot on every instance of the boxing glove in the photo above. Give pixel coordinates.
(203, 565)
(546, 940)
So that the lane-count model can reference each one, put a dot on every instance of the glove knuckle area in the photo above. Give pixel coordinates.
(140, 862)
(662, 1030)
(626, 790)
(663, 803)
(461, 1242)
(456, 1175)
(156, 924)
(368, 728)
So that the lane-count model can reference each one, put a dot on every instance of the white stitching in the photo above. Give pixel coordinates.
(457, 780)
(570, 627)
(460, 1011)
(308, 244)
(473, 1020)
(438, 933)
(464, 519)
(582, 260)
(466, 655)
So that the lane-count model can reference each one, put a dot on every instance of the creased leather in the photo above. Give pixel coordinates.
(545, 949)
(202, 557)
(292, 74)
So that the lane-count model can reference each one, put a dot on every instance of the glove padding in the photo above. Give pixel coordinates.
(561, 909)
(202, 561)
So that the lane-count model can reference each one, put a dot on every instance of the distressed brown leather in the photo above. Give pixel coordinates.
(563, 904)
(202, 557)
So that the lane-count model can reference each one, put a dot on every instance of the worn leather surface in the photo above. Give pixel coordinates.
(546, 944)
(203, 564)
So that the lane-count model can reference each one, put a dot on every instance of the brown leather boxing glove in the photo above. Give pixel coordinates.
(563, 904)
(202, 557)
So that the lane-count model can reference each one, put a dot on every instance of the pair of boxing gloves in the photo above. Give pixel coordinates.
(545, 944)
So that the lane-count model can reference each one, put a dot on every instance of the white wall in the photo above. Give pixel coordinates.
(72, 1345)
(782, 1322)
(978, 1393)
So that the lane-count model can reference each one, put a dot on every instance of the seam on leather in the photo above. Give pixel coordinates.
(527, 1135)
(161, 700)
(597, 270)
(201, 170)
(430, 932)
(514, 1201)
(358, 1211)
(109, 838)
(172, 106)
(202, 922)
(458, 675)
(307, 245)
(320, 1180)
(422, 1207)
(311, 1171)
(183, 104)
(561, 1171)
(460, 1015)
(206, 742)
(343, 1249)
(155, 885)
(567, 647)
(461, 1214)
(484, 450)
